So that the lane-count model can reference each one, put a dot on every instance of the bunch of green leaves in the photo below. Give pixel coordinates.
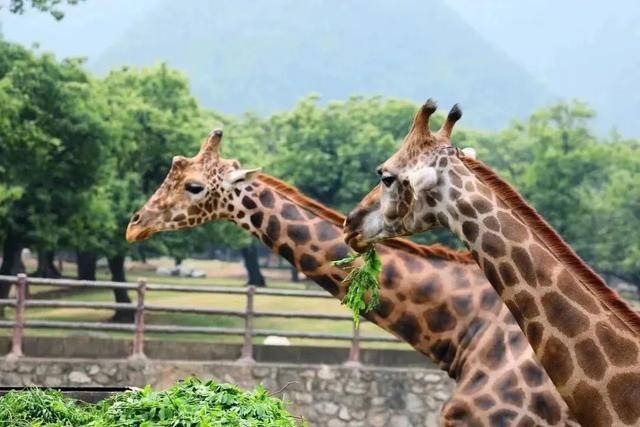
(190, 403)
(42, 407)
(362, 279)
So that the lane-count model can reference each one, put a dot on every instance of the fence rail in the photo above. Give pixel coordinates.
(140, 307)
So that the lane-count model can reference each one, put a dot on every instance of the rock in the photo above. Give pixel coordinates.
(399, 421)
(353, 387)
(260, 372)
(276, 340)
(326, 373)
(93, 369)
(343, 413)
(79, 377)
(414, 403)
(328, 408)
(432, 378)
(335, 423)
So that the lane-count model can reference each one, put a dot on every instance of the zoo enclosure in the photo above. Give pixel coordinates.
(138, 327)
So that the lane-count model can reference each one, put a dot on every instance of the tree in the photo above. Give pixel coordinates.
(49, 6)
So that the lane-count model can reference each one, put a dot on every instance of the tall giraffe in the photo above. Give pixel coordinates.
(585, 336)
(432, 298)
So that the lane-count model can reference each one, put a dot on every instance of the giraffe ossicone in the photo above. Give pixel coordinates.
(433, 298)
(584, 334)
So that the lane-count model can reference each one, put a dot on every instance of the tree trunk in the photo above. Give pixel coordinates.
(177, 260)
(116, 266)
(295, 277)
(11, 265)
(87, 265)
(46, 267)
(250, 255)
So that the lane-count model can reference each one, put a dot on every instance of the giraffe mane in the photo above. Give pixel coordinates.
(552, 240)
(336, 218)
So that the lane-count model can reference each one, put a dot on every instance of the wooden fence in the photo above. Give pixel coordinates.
(138, 328)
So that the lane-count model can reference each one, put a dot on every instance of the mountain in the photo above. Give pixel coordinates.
(263, 56)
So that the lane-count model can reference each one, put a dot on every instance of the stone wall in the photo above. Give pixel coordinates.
(331, 396)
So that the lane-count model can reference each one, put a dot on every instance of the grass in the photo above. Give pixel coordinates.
(237, 302)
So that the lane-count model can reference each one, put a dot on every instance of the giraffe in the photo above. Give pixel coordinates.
(584, 335)
(433, 298)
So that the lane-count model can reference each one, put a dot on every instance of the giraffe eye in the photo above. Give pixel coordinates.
(388, 180)
(193, 188)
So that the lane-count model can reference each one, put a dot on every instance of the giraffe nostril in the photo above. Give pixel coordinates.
(135, 219)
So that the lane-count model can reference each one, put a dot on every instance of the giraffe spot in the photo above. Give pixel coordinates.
(179, 217)
(248, 203)
(425, 291)
(470, 231)
(461, 170)
(491, 223)
(511, 228)
(256, 219)
(389, 275)
(545, 406)
(429, 218)
(481, 204)
(486, 192)
(245, 226)
(230, 207)
(273, 228)
(526, 421)
(430, 200)
(442, 219)
(462, 305)
(494, 355)
(412, 263)
(469, 186)
(454, 194)
(526, 304)
(308, 262)
(291, 212)
(298, 233)
(466, 209)
(240, 214)
(444, 351)
(593, 414)
(475, 383)
(493, 245)
(452, 213)
(524, 265)
(563, 315)
(502, 418)
(534, 334)
(624, 390)
(266, 240)
(440, 319)
(458, 413)
(407, 328)
(492, 276)
(384, 307)
(285, 252)
(575, 293)
(508, 274)
(619, 350)
(193, 210)
(454, 178)
(590, 359)
(516, 341)
(556, 359)
(509, 391)
(443, 162)
(484, 402)
(489, 299)
(236, 191)
(532, 373)
(545, 264)
(266, 198)
(192, 221)
(328, 284)
(470, 332)
(338, 251)
(326, 231)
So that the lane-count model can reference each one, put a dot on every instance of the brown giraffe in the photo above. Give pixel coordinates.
(435, 299)
(586, 337)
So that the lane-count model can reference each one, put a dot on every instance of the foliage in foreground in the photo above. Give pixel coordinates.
(191, 402)
(362, 279)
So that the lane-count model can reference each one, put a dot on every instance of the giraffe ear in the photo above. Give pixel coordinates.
(469, 152)
(422, 179)
(240, 175)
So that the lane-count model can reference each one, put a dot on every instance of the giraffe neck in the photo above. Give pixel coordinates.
(582, 334)
(441, 307)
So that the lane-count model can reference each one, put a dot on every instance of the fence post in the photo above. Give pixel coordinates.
(18, 330)
(246, 355)
(138, 337)
(354, 352)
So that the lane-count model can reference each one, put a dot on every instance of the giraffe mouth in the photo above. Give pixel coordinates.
(138, 234)
(355, 240)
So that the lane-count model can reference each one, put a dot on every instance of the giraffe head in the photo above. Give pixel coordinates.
(409, 180)
(196, 190)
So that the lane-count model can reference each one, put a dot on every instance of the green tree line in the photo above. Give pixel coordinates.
(80, 153)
